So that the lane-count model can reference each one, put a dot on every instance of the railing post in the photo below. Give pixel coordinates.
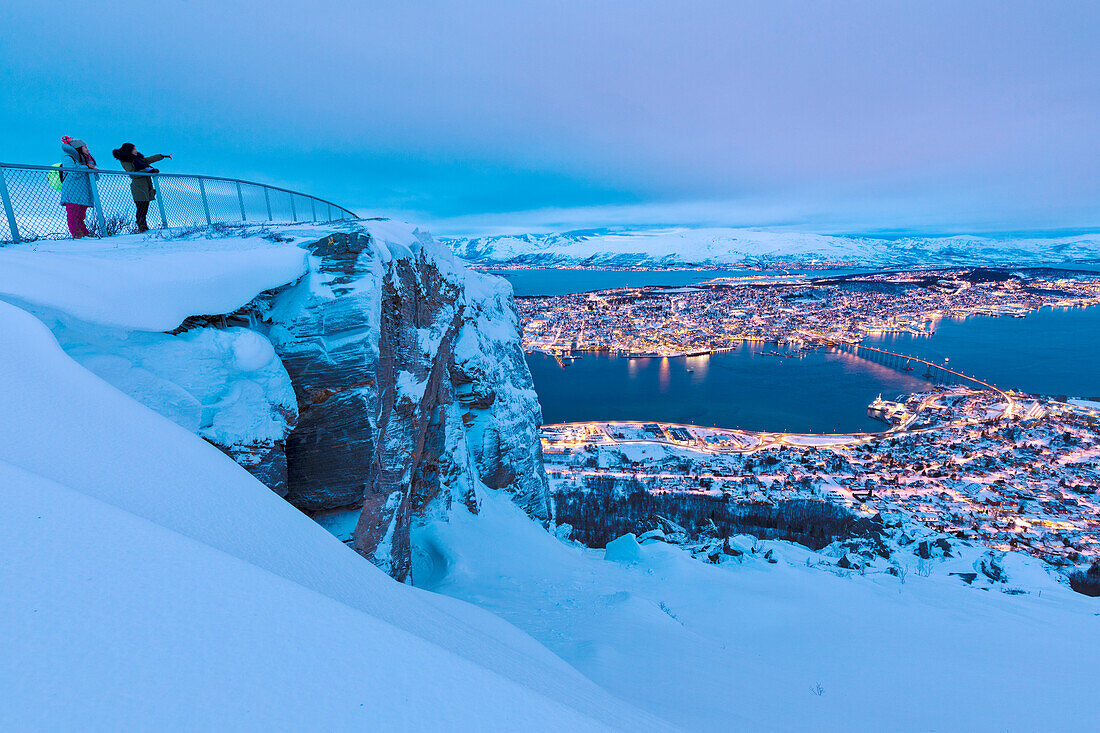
(293, 210)
(205, 206)
(267, 200)
(240, 200)
(8, 209)
(313, 208)
(101, 222)
(160, 204)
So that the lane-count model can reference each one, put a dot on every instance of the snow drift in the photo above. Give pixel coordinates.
(146, 284)
(150, 582)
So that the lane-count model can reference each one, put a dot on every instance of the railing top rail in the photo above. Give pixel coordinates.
(71, 169)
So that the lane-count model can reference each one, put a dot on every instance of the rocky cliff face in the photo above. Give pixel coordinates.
(324, 329)
(412, 389)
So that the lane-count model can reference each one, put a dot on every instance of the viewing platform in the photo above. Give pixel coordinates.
(32, 208)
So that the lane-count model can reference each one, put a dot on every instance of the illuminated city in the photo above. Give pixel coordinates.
(791, 310)
(1008, 471)
(962, 463)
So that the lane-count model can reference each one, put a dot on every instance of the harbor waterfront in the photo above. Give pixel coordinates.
(723, 313)
(750, 387)
(763, 352)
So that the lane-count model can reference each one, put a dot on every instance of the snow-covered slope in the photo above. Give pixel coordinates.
(717, 246)
(150, 582)
(784, 646)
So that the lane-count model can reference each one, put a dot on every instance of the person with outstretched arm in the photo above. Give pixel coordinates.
(76, 188)
(140, 186)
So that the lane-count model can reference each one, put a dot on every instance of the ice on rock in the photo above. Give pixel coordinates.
(409, 386)
(252, 351)
(246, 416)
(410, 375)
(743, 542)
(223, 384)
(653, 535)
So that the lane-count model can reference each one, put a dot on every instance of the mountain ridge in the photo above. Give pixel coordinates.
(718, 246)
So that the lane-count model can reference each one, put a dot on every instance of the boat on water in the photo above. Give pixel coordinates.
(890, 412)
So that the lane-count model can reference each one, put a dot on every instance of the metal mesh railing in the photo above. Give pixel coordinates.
(32, 207)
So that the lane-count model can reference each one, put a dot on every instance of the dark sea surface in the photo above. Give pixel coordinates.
(822, 392)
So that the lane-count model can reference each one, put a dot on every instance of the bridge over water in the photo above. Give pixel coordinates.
(936, 373)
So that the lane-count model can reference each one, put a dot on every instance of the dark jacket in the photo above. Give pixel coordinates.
(141, 186)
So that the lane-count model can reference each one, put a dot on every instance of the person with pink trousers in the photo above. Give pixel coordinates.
(76, 188)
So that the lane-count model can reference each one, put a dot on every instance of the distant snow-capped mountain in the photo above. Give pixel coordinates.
(724, 246)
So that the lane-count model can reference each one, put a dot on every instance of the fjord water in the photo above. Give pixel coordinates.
(748, 387)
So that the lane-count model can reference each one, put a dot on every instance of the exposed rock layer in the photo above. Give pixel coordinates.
(325, 331)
